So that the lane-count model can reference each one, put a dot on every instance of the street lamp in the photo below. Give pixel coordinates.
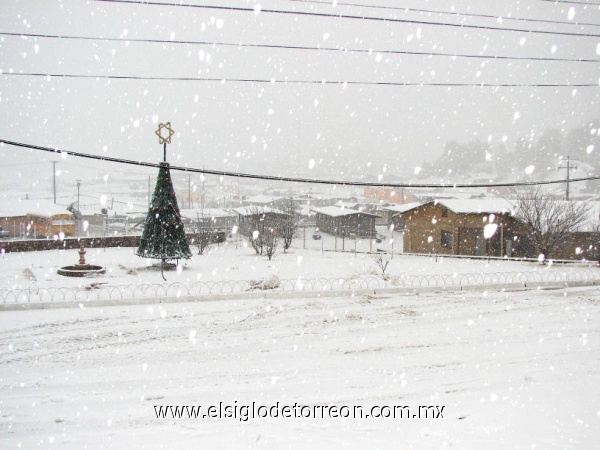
(78, 204)
(54, 179)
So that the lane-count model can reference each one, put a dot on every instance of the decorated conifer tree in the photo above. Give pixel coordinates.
(164, 235)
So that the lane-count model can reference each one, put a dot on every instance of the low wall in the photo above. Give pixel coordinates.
(33, 245)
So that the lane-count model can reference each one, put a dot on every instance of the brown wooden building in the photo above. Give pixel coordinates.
(33, 219)
(585, 242)
(582, 245)
(345, 222)
(478, 227)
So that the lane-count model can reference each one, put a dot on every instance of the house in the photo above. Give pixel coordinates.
(319, 199)
(270, 201)
(36, 219)
(487, 227)
(475, 227)
(393, 214)
(252, 218)
(345, 222)
(348, 205)
(220, 218)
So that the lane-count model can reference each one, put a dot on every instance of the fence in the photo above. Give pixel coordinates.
(98, 292)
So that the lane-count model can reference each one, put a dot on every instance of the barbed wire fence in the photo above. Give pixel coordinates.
(98, 292)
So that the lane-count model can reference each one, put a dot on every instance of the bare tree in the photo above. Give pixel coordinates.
(382, 260)
(270, 241)
(265, 230)
(549, 222)
(289, 224)
(257, 228)
(256, 240)
(203, 233)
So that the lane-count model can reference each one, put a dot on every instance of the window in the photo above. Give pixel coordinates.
(399, 224)
(447, 240)
(444, 212)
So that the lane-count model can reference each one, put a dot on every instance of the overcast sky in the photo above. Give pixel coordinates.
(292, 129)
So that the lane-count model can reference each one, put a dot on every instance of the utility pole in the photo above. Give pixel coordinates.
(189, 192)
(78, 217)
(568, 167)
(202, 202)
(54, 180)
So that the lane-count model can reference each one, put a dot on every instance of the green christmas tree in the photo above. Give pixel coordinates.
(164, 236)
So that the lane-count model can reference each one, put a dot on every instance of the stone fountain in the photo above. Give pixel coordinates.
(82, 269)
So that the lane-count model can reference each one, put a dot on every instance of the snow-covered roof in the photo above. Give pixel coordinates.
(402, 208)
(478, 206)
(349, 205)
(137, 214)
(335, 211)
(333, 197)
(251, 210)
(206, 212)
(21, 207)
(261, 199)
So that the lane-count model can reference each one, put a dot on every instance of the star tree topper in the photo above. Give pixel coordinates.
(162, 139)
(159, 133)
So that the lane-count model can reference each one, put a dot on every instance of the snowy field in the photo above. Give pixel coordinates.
(512, 370)
(506, 369)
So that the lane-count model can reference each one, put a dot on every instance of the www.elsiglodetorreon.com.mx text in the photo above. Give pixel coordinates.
(244, 412)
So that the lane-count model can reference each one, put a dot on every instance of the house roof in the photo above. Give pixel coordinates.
(22, 207)
(402, 208)
(463, 206)
(335, 211)
(206, 212)
(478, 206)
(252, 210)
(349, 205)
(261, 199)
(333, 197)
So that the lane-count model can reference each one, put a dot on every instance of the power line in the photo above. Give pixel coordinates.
(347, 16)
(293, 179)
(274, 81)
(574, 2)
(292, 47)
(449, 13)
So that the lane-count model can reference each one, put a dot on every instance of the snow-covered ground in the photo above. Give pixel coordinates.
(238, 261)
(511, 369)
